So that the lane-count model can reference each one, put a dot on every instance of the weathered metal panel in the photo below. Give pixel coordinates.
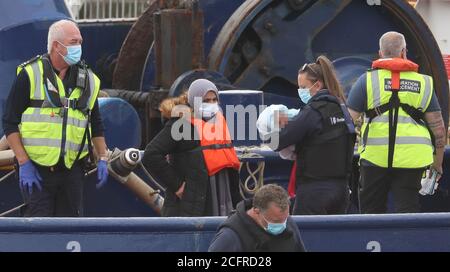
(178, 44)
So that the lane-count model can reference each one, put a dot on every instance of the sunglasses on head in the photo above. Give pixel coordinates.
(307, 66)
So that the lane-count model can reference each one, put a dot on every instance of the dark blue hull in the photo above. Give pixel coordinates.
(362, 233)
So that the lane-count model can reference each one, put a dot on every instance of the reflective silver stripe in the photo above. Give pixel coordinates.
(36, 111)
(427, 93)
(91, 86)
(40, 118)
(76, 122)
(399, 140)
(385, 119)
(375, 88)
(41, 142)
(37, 80)
(75, 147)
(52, 143)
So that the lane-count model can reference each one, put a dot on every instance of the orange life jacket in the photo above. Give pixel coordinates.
(395, 65)
(216, 146)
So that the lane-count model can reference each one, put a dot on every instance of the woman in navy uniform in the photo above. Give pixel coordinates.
(324, 137)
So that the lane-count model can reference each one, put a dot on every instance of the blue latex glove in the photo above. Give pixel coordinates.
(29, 176)
(102, 173)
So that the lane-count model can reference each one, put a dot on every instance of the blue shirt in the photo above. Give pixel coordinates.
(357, 98)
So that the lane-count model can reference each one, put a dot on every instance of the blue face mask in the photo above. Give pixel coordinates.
(73, 54)
(275, 228)
(305, 94)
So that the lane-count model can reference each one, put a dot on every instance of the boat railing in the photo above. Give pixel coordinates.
(106, 10)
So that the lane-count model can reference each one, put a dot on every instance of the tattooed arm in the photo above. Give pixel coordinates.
(436, 124)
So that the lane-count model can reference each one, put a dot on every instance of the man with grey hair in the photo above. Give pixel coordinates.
(52, 110)
(403, 131)
(392, 44)
(261, 225)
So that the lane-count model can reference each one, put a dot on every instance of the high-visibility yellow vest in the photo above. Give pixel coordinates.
(49, 132)
(413, 146)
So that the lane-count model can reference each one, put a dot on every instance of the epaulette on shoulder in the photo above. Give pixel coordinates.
(30, 61)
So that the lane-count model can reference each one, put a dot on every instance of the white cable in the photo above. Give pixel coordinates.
(252, 183)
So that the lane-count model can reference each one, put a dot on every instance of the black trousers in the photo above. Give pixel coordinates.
(61, 195)
(321, 198)
(377, 183)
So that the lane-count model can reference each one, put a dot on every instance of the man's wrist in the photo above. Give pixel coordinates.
(23, 160)
(103, 158)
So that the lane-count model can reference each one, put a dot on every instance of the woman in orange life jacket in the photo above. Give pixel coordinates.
(192, 156)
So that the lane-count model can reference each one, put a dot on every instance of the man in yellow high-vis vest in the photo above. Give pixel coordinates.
(51, 117)
(403, 131)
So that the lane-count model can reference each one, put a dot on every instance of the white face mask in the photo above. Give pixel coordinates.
(209, 110)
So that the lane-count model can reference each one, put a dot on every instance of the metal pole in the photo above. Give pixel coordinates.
(103, 9)
(91, 10)
(90, 172)
(85, 9)
(13, 210)
(123, 9)
(110, 9)
(117, 8)
(7, 175)
(97, 10)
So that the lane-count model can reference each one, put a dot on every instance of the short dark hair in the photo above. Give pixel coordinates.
(271, 193)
